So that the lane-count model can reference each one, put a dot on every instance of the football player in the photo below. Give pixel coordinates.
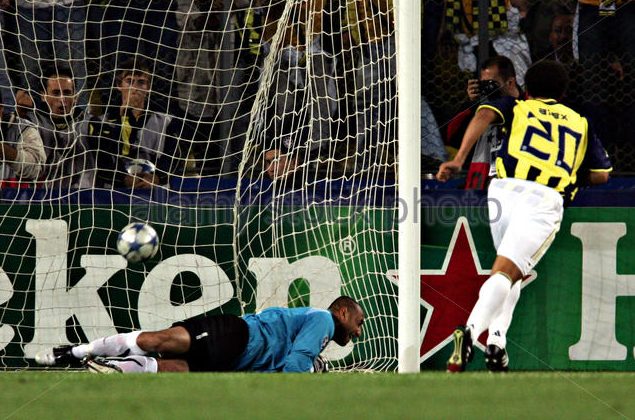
(274, 340)
(549, 150)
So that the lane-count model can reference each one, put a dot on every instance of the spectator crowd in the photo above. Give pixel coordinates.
(126, 94)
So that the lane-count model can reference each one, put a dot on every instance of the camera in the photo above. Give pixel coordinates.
(489, 89)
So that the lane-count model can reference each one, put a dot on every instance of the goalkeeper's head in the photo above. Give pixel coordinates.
(348, 317)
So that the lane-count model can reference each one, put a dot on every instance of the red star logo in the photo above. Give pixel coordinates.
(449, 294)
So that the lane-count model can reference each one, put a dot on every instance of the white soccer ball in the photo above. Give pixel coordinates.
(138, 242)
(140, 167)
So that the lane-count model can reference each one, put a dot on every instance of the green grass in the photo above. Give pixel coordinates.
(79, 395)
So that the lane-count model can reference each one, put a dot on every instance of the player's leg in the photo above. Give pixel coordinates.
(529, 216)
(114, 345)
(498, 327)
(216, 342)
(537, 229)
(530, 232)
(128, 364)
(207, 344)
(500, 203)
(135, 364)
(531, 229)
(174, 340)
(493, 295)
(173, 365)
(496, 358)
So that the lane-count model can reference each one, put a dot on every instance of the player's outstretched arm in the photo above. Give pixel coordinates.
(314, 335)
(475, 129)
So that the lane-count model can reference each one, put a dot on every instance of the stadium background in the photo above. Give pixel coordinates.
(552, 394)
(264, 222)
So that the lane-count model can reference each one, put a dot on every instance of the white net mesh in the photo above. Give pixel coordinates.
(257, 138)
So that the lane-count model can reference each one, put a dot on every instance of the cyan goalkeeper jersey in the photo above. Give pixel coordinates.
(287, 340)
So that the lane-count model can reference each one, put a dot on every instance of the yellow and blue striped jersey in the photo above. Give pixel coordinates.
(547, 143)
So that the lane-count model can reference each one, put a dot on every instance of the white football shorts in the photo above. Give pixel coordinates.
(524, 219)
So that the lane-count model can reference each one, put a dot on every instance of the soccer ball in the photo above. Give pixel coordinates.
(138, 242)
(140, 167)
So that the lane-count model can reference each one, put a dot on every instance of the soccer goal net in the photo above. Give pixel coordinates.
(257, 138)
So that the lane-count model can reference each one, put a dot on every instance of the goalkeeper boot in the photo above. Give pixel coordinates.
(496, 359)
(61, 356)
(462, 353)
(101, 365)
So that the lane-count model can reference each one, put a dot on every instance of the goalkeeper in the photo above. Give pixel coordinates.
(274, 340)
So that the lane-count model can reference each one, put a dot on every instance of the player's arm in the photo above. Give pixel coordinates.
(477, 126)
(27, 158)
(596, 160)
(315, 333)
(597, 178)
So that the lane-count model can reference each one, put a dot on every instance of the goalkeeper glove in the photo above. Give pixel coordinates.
(320, 365)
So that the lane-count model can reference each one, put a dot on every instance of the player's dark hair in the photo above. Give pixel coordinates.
(344, 301)
(505, 66)
(547, 79)
(55, 69)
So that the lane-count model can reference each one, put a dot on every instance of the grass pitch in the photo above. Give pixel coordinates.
(79, 395)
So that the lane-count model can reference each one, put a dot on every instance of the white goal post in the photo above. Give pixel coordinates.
(409, 136)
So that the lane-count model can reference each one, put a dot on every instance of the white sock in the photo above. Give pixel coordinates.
(136, 364)
(499, 326)
(115, 345)
(491, 298)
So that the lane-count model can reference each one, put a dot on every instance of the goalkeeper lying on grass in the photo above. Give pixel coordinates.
(274, 340)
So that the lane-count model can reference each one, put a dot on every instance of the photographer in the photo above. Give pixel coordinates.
(497, 79)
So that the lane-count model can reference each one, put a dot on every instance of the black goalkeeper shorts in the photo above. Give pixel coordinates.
(216, 342)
